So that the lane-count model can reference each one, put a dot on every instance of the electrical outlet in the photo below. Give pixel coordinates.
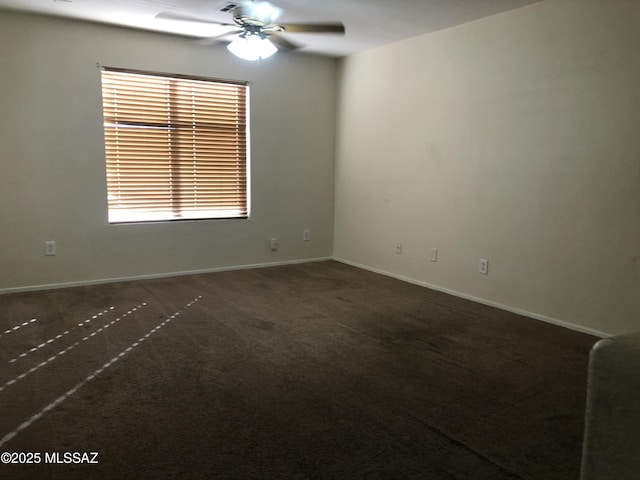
(273, 244)
(434, 255)
(399, 248)
(483, 266)
(306, 235)
(49, 248)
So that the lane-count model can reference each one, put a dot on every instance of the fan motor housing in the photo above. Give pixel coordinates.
(246, 15)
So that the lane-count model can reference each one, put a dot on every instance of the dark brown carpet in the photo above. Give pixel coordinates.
(312, 371)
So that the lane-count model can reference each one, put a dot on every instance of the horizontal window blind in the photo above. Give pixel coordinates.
(176, 147)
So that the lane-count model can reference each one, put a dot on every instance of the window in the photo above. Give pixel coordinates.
(176, 146)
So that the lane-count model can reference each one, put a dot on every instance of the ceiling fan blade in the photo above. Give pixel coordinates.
(282, 43)
(183, 17)
(217, 38)
(336, 27)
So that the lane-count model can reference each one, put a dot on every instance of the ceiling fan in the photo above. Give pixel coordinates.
(257, 33)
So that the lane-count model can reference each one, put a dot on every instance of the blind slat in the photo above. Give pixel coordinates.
(176, 147)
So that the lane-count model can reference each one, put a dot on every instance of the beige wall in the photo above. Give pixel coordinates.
(52, 176)
(513, 138)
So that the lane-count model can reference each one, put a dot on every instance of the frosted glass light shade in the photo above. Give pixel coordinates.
(252, 47)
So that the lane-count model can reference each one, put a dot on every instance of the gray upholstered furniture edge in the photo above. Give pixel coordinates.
(611, 448)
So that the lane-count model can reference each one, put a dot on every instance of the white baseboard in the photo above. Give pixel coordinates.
(101, 281)
(535, 316)
(455, 293)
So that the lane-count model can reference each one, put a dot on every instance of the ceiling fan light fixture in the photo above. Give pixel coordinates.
(252, 47)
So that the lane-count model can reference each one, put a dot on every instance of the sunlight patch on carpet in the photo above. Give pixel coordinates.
(91, 376)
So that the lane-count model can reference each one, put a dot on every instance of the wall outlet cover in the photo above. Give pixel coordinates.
(49, 248)
(483, 266)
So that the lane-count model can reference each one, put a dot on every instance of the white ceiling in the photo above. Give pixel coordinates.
(368, 23)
